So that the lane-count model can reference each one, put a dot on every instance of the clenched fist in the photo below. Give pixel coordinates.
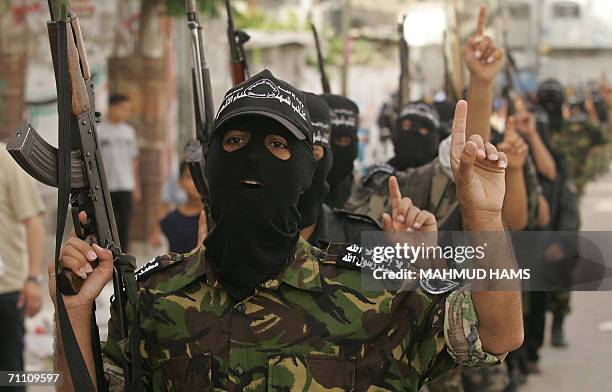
(78, 256)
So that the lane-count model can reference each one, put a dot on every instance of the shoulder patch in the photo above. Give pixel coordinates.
(343, 255)
(378, 169)
(157, 264)
(357, 217)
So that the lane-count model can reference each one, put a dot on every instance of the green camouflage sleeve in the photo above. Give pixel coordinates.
(461, 331)
(534, 190)
(115, 357)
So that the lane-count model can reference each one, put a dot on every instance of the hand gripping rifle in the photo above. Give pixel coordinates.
(320, 60)
(237, 39)
(76, 169)
(204, 111)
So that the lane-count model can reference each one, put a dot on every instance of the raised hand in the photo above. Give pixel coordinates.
(482, 57)
(202, 229)
(605, 89)
(478, 168)
(513, 145)
(525, 122)
(405, 216)
(78, 256)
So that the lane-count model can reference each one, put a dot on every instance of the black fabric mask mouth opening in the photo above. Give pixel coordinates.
(253, 201)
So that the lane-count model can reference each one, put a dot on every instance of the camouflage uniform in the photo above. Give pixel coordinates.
(428, 186)
(307, 329)
(431, 189)
(582, 143)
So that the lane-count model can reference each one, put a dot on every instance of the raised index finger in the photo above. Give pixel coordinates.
(458, 132)
(482, 21)
(394, 193)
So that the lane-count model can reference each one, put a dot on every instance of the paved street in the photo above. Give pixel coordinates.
(586, 366)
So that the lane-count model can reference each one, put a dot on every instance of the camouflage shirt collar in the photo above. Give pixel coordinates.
(302, 273)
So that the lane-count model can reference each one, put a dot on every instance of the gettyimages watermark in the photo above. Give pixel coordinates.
(487, 261)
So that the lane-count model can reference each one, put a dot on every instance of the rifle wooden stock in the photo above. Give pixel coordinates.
(80, 99)
(237, 73)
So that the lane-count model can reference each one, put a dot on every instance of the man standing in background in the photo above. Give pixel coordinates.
(21, 253)
(119, 149)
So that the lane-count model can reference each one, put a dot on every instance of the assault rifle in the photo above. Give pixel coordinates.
(202, 97)
(321, 61)
(404, 80)
(76, 169)
(237, 39)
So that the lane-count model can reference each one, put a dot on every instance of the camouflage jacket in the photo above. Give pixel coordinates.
(534, 191)
(308, 329)
(428, 186)
(581, 143)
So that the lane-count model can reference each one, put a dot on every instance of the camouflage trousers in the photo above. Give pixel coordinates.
(558, 303)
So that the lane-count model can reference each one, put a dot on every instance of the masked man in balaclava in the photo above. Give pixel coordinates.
(416, 136)
(258, 308)
(345, 148)
(322, 224)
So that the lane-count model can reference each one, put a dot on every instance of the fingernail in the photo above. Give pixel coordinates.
(82, 273)
(88, 268)
(503, 164)
(494, 157)
(482, 154)
(400, 218)
(478, 54)
(490, 60)
(91, 255)
(469, 148)
(417, 225)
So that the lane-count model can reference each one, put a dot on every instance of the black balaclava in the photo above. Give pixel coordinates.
(413, 149)
(256, 226)
(551, 98)
(311, 200)
(253, 194)
(344, 122)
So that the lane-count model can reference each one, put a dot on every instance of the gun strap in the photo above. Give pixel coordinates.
(126, 267)
(74, 358)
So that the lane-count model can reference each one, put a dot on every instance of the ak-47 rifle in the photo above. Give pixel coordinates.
(404, 80)
(237, 39)
(320, 60)
(76, 169)
(202, 97)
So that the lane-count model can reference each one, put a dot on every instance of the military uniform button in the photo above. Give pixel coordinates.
(241, 308)
(177, 257)
(238, 371)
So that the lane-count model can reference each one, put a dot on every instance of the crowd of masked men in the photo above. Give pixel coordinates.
(555, 143)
